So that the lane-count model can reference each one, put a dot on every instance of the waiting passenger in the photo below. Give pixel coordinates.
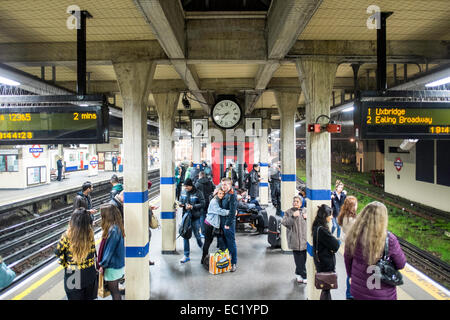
(7, 275)
(364, 247)
(231, 174)
(337, 200)
(117, 201)
(252, 206)
(76, 253)
(275, 188)
(212, 222)
(206, 187)
(60, 166)
(346, 219)
(255, 178)
(117, 186)
(193, 203)
(83, 198)
(112, 257)
(294, 220)
(325, 244)
(228, 223)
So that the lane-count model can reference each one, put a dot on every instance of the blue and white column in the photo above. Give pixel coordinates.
(287, 106)
(264, 163)
(317, 78)
(134, 80)
(166, 104)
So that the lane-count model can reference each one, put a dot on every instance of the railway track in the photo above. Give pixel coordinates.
(395, 201)
(28, 246)
(433, 267)
(422, 260)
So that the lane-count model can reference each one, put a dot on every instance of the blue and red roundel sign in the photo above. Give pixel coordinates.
(36, 150)
(398, 164)
(93, 162)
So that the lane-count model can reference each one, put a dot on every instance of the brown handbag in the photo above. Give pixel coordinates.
(324, 280)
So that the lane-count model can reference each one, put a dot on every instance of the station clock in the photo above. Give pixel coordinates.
(226, 114)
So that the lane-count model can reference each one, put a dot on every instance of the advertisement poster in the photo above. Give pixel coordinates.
(33, 175)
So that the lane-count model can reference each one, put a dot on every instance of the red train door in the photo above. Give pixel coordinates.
(81, 161)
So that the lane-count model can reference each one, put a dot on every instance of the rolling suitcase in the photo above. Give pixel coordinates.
(274, 233)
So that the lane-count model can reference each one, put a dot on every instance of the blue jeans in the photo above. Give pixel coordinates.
(195, 231)
(230, 241)
(336, 226)
(348, 295)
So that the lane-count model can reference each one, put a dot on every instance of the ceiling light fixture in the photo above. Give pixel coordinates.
(9, 82)
(438, 82)
(349, 109)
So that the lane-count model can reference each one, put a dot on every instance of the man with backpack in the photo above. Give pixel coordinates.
(193, 204)
(206, 187)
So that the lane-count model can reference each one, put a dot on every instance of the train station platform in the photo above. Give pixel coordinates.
(72, 183)
(262, 274)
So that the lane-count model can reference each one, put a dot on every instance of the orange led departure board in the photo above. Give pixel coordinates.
(53, 125)
(403, 120)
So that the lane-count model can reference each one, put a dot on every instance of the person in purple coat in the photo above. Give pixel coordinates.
(364, 247)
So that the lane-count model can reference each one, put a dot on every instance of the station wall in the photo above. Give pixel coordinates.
(32, 168)
(404, 183)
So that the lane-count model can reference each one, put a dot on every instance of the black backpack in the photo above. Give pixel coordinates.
(185, 230)
(247, 182)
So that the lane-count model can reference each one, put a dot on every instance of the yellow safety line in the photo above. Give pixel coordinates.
(48, 276)
(424, 285)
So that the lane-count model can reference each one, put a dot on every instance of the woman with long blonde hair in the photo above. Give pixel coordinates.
(112, 248)
(364, 247)
(76, 252)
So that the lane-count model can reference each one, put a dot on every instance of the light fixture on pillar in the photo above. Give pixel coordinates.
(185, 101)
(331, 126)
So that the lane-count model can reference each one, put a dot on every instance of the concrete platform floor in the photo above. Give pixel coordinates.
(262, 273)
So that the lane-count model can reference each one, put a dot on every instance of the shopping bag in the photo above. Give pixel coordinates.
(103, 292)
(219, 262)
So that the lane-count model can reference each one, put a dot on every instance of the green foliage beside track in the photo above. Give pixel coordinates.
(418, 231)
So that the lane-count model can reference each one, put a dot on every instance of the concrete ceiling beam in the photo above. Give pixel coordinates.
(285, 22)
(118, 51)
(167, 21)
(232, 51)
(365, 50)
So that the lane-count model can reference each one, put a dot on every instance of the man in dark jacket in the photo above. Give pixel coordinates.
(206, 187)
(228, 223)
(230, 173)
(275, 188)
(117, 186)
(83, 199)
(114, 162)
(254, 182)
(60, 166)
(193, 203)
(194, 173)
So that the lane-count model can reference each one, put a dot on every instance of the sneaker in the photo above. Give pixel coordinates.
(152, 263)
(305, 281)
(202, 236)
(233, 268)
(185, 259)
(299, 279)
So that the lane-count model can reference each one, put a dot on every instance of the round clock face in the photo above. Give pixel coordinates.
(226, 114)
